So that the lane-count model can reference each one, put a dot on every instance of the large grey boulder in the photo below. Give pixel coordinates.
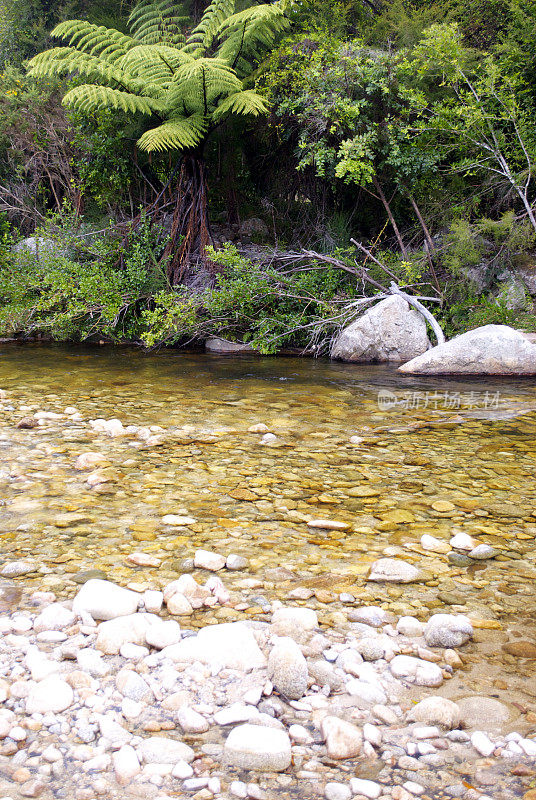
(37, 247)
(489, 350)
(390, 331)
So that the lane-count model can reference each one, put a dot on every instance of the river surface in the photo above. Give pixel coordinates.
(433, 456)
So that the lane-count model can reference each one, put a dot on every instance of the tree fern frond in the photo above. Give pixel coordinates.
(246, 36)
(95, 39)
(62, 61)
(200, 83)
(155, 63)
(178, 133)
(158, 21)
(89, 98)
(242, 103)
(213, 71)
(203, 34)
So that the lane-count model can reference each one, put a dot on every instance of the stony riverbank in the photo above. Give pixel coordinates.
(102, 696)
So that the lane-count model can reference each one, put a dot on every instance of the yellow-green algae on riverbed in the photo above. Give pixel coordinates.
(450, 456)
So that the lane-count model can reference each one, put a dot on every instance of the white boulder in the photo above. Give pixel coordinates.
(436, 711)
(114, 633)
(49, 695)
(230, 645)
(258, 747)
(416, 670)
(488, 350)
(287, 668)
(448, 630)
(390, 331)
(160, 750)
(343, 740)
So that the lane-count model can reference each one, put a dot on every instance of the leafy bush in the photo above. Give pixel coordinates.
(254, 303)
(78, 286)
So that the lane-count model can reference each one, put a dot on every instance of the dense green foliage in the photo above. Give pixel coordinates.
(409, 126)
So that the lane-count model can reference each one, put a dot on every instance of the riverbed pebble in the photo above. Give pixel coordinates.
(257, 747)
(448, 630)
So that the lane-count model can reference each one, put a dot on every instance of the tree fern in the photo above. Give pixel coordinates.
(185, 86)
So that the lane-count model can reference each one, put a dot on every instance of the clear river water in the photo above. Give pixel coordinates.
(393, 457)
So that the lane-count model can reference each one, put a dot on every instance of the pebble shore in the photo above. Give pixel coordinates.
(104, 697)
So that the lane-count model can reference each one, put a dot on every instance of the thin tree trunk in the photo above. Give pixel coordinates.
(423, 224)
(390, 215)
(190, 230)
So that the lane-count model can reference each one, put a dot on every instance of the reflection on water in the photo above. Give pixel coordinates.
(419, 468)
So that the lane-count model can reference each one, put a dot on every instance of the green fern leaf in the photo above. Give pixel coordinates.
(246, 36)
(242, 103)
(155, 63)
(158, 21)
(95, 39)
(199, 84)
(89, 98)
(178, 133)
(67, 61)
(203, 34)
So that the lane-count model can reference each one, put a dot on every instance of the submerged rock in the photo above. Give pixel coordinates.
(393, 570)
(215, 344)
(484, 713)
(15, 569)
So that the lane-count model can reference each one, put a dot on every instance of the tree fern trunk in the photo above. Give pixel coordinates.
(190, 230)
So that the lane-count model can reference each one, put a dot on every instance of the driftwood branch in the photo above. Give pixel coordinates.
(413, 301)
(429, 317)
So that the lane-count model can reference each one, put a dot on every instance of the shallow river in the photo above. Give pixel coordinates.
(433, 457)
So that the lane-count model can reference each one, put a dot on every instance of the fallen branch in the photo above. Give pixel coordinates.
(429, 317)
(413, 301)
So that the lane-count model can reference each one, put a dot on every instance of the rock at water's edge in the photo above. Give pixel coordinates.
(488, 350)
(390, 331)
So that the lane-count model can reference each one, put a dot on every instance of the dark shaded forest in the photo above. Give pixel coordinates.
(171, 172)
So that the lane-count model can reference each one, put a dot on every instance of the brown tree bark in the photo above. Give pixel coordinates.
(184, 255)
(390, 215)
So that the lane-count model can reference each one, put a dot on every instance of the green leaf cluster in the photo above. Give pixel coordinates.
(185, 84)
